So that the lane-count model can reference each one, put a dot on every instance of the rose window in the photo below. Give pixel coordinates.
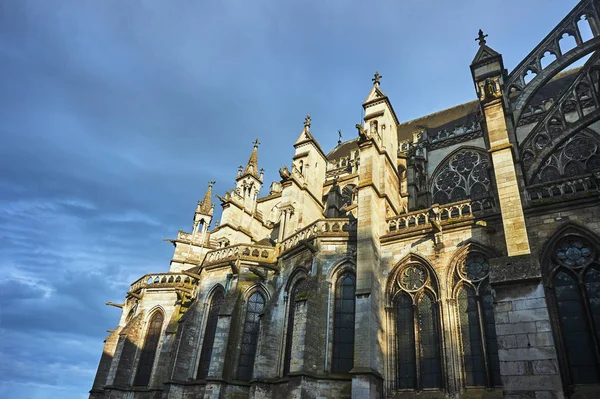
(574, 252)
(475, 267)
(413, 278)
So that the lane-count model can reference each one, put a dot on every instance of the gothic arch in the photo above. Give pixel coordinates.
(462, 174)
(571, 274)
(300, 272)
(211, 292)
(260, 287)
(342, 266)
(153, 330)
(471, 306)
(415, 359)
(567, 229)
(460, 255)
(411, 258)
(214, 301)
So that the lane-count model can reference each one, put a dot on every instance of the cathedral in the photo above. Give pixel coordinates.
(452, 256)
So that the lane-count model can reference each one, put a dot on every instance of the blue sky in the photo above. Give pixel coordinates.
(115, 114)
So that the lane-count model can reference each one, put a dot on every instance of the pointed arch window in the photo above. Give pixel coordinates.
(343, 324)
(209, 333)
(293, 296)
(461, 176)
(256, 304)
(418, 362)
(573, 282)
(474, 303)
(146, 363)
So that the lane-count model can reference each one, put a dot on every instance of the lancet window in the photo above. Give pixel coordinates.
(477, 329)
(209, 333)
(146, 362)
(573, 282)
(417, 363)
(461, 176)
(256, 304)
(299, 288)
(343, 324)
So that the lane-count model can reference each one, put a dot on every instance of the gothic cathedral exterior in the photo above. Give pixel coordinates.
(456, 255)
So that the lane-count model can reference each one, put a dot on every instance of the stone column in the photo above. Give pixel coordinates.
(367, 380)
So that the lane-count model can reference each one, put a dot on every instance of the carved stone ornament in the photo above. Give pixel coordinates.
(412, 277)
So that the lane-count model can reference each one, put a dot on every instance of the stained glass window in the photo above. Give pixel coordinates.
(576, 297)
(471, 338)
(490, 333)
(406, 343)
(574, 327)
(475, 311)
(256, 303)
(343, 325)
(146, 363)
(431, 369)
(465, 175)
(209, 333)
(290, 327)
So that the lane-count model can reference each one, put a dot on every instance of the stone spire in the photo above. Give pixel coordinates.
(205, 206)
(252, 165)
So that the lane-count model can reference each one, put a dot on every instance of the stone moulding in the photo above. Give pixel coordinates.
(514, 269)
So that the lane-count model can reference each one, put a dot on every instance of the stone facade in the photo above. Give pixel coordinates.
(456, 255)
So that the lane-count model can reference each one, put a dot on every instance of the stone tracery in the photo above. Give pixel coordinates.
(464, 175)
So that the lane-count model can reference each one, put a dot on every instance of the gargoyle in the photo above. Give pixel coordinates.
(362, 133)
(284, 173)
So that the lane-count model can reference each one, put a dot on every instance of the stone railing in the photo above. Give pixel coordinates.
(444, 214)
(323, 227)
(163, 280)
(342, 165)
(561, 189)
(257, 253)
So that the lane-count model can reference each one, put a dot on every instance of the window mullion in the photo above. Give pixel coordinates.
(418, 347)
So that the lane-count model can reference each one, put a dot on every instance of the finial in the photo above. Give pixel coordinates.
(211, 183)
(307, 121)
(376, 78)
(481, 38)
(256, 143)
(339, 136)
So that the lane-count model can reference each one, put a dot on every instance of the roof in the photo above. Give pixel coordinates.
(343, 150)
(456, 115)
(465, 114)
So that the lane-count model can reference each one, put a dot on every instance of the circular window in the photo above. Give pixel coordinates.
(412, 277)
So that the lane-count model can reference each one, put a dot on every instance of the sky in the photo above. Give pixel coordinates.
(115, 114)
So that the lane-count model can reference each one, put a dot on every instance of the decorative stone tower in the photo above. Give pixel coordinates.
(378, 190)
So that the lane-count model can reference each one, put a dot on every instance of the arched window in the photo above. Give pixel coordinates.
(256, 304)
(209, 333)
(573, 283)
(343, 324)
(417, 329)
(461, 176)
(146, 363)
(481, 367)
(293, 296)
